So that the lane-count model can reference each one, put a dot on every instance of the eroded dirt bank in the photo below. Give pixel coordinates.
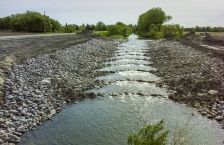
(193, 74)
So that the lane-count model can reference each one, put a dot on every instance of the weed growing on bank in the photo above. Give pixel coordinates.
(153, 134)
(149, 135)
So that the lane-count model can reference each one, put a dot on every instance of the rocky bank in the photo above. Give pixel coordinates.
(38, 88)
(192, 76)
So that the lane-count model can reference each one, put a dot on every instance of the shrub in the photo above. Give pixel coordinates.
(172, 30)
(119, 29)
(149, 135)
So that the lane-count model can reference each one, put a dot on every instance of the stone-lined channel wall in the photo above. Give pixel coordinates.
(192, 77)
(37, 89)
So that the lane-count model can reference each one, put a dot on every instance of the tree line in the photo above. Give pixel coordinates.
(36, 22)
(29, 22)
(205, 29)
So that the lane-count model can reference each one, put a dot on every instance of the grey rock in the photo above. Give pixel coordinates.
(14, 137)
(25, 88)
(53, 111)
(2, 132)
(23, 120)
(19, 98)
(2, 120)
(13, 103)
(218, 106)
(37, 91)
(15, 92)
(26, 93)
(203, 113)
(13, 111)
(219, 118)
(201, 94)
(45, 82)
(3, 125)
(29, 102)
(14, 118)
(23, 112)
(221, 102)
(212, 92)
(21, 129)
(9, 97)
(19, 108)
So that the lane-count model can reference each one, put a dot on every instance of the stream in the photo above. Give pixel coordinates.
(129, 100)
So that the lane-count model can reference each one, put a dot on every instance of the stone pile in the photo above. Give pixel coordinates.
(193, 77)
(37, 89)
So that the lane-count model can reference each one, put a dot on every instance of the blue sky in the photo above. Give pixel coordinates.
(188, 13)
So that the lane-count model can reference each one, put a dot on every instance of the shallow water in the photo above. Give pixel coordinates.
(108, 120)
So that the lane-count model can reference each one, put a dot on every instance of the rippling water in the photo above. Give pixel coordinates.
(110, 119)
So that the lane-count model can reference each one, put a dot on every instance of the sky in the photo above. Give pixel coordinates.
(187, 13)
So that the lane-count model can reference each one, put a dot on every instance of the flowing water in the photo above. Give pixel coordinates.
(126, 106)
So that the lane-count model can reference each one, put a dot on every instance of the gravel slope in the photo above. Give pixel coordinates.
(38, 88)
(192, 76)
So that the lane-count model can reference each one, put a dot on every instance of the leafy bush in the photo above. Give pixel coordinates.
(172, 30)
(119, 29)
(69, 28)
(149, 135)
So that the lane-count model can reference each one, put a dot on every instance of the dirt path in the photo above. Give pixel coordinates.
(31, 35)
(16, 49)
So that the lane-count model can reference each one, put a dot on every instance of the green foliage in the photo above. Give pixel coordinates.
(81, 28)
(149, 135)
(4, 22)
(90, 27)
(105, 34)
(205, 29)
(133, 27)
(172, 30)
(69, 28)
(100, 26)
(155, 16)
(30, 22)
(119, 29)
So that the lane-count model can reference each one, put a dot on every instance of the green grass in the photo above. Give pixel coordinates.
(105, 34)
(101, 33)
(212, 33)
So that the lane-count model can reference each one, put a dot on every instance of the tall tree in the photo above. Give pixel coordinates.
(100, 26)
(155, 16)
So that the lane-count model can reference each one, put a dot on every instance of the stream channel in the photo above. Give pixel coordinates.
(130, 99)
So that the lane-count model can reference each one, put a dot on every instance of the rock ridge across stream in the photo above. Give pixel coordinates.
(38, 88)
